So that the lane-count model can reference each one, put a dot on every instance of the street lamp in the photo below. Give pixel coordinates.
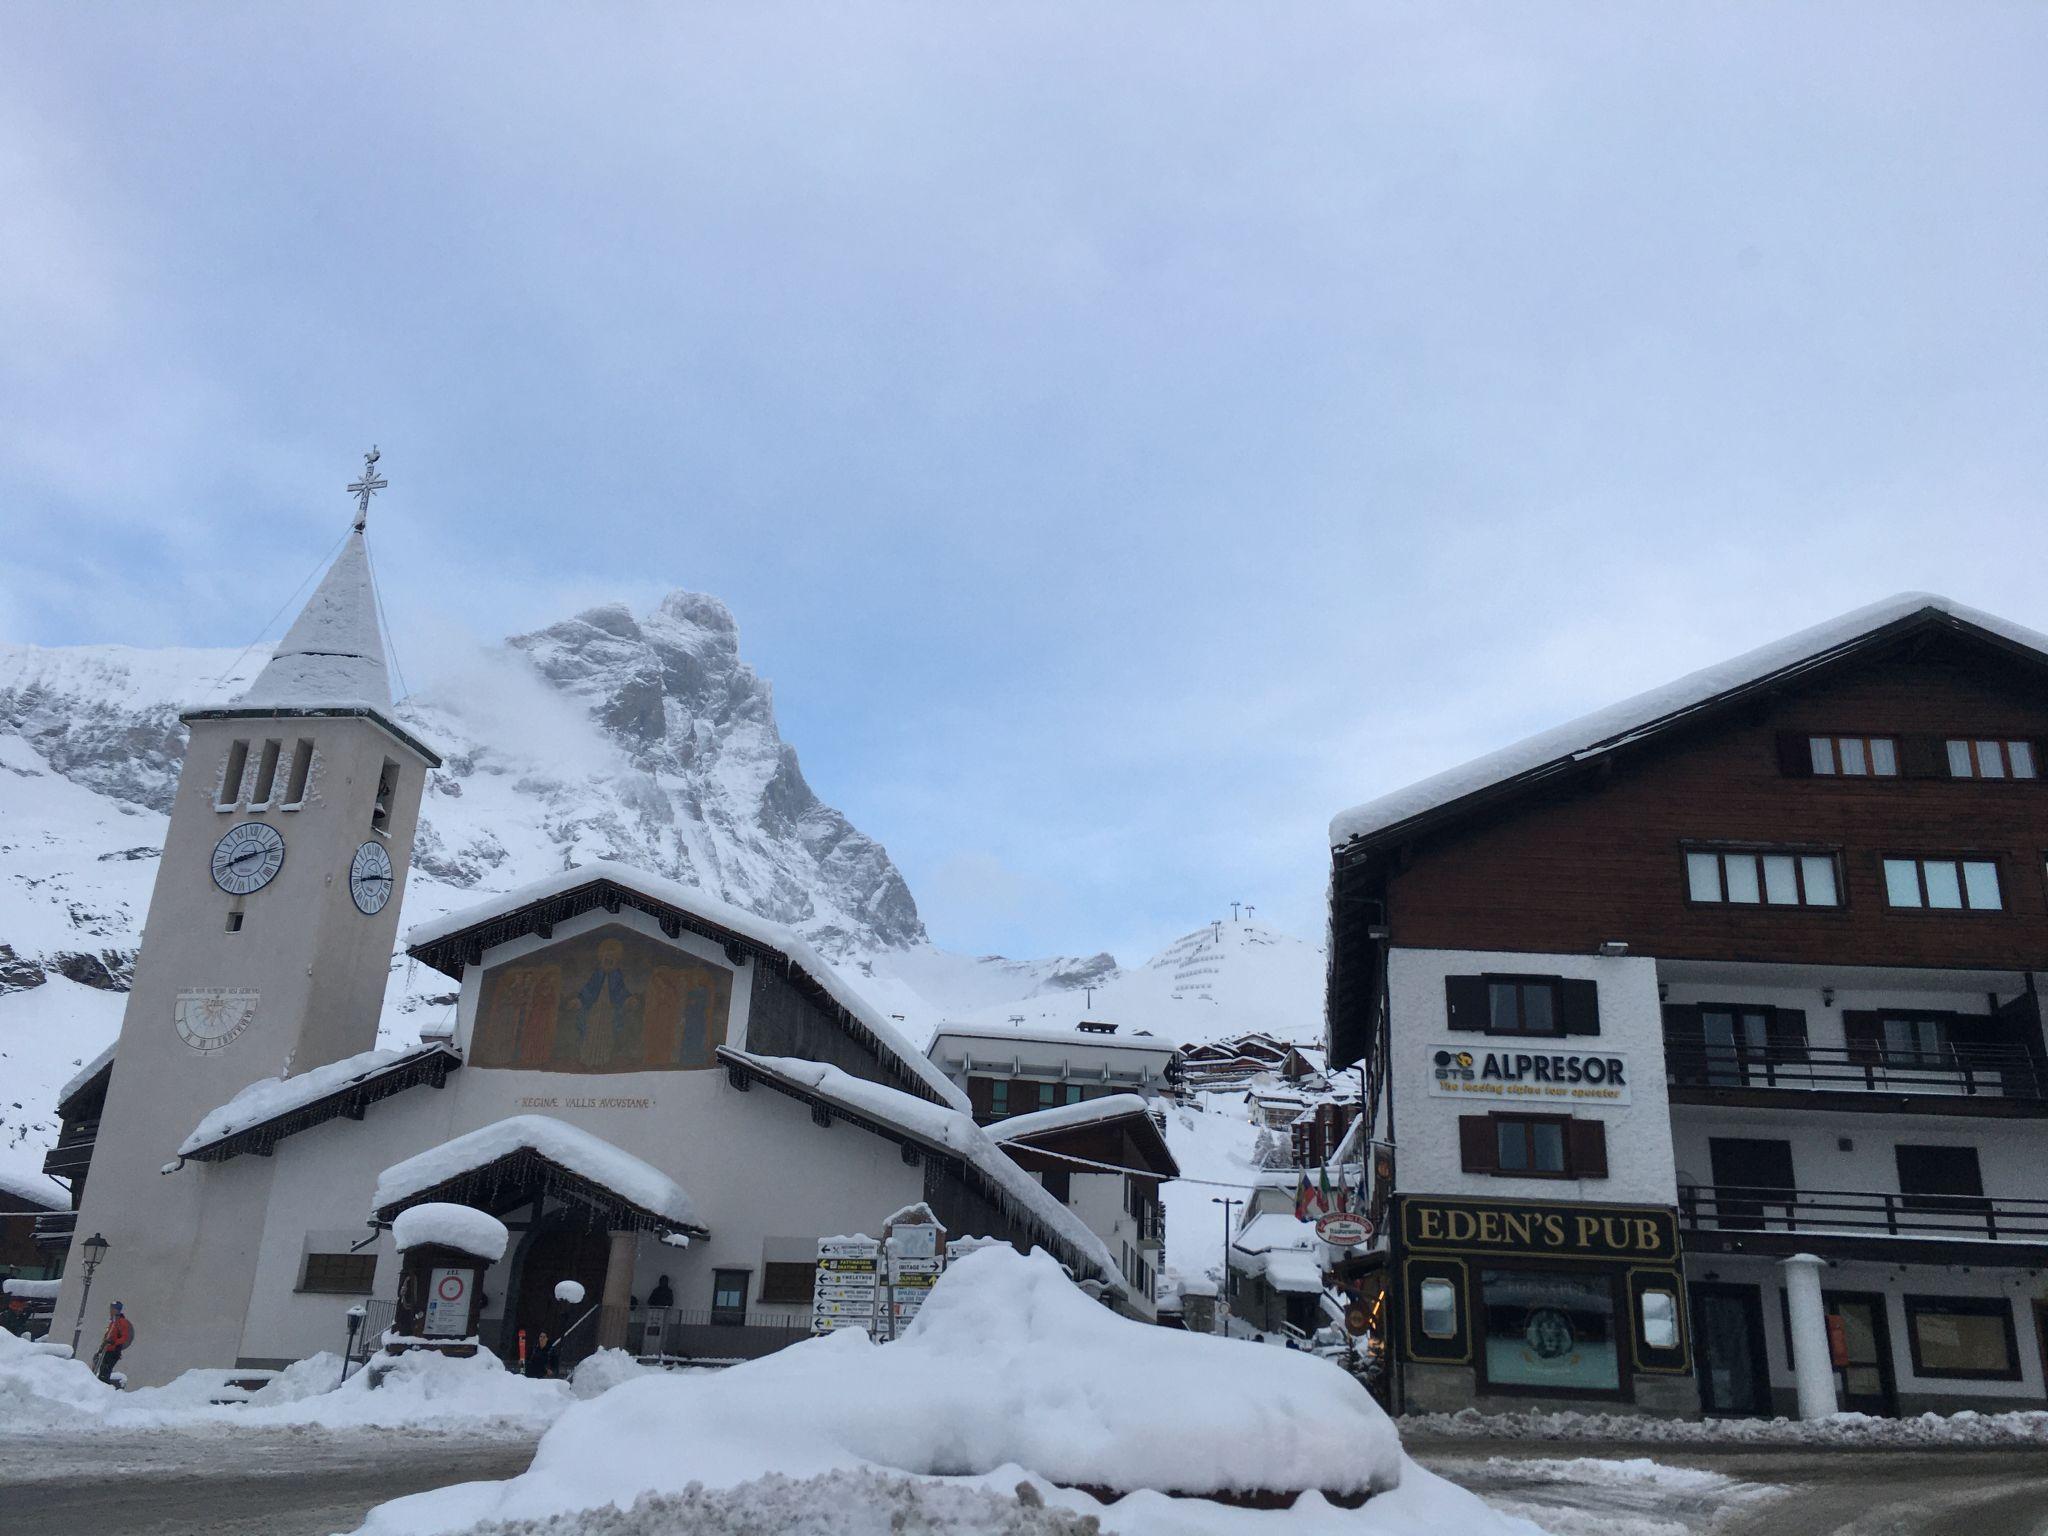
(1223, 1279)
(356, 1314)
(95, 1250)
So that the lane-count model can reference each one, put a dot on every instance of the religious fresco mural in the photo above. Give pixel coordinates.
(611, 1000)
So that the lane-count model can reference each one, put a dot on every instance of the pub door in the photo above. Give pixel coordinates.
(553, 1255)
(1728, 1350)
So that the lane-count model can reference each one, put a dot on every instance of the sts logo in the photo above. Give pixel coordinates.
(1454, 1067)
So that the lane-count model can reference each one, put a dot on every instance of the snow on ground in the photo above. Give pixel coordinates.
(1213, 1140)
(1590, 1496)
(41, 1391)
(1008, 1367)
(1845, 1429)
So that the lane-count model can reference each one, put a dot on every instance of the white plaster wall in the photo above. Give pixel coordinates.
(1098, 1199)
(1639, 1161)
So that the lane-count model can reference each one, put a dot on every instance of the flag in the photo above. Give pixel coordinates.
(1325, 1198)
(1303, 1196)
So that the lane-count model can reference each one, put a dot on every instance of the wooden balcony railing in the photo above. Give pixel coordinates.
(53, 1229)
(1987, 1071)
(1863, 1213)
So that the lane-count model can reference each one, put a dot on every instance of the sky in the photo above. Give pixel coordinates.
(1126, 434)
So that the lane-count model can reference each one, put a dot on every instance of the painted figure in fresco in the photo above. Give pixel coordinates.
(608, 1001)
(605, 1014)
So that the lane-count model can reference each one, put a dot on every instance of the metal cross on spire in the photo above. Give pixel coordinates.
(365, 488)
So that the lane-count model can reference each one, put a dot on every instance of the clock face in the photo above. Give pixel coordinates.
(369, 878)
(247, 858)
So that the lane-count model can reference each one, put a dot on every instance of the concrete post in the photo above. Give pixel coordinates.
(613, 1320)
(1813, 1364)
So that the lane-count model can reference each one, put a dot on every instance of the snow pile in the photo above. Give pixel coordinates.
(1968, 1427)
(629, 1177)
(41, 1389)
(31, 1290)
(607, 1368)
(457, 1226)
(1009, 1372)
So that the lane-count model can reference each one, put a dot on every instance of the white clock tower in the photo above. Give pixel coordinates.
(265, 954)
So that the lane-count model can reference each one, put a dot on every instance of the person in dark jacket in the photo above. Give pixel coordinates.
(662, 1295)
(545, 1358)
(114, 1342)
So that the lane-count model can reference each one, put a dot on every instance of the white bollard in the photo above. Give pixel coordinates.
(1813, 1366)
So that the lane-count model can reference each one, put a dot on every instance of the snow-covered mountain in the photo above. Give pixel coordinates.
(644, 738)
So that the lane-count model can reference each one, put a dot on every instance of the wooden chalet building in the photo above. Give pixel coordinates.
(1712, 1011)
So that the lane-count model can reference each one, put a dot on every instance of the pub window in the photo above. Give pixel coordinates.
(342, 1274)
(1942, 885)
(1549, 1331)
(387, 788)
(786, 1282)
(301, 771)
(266, 773)
(1660, 1320)
(1854, 756)
(231, 776)
(1963, 1336)
(729, 1295)
(1752, 877)
(1995, 758)
(1439, 1308)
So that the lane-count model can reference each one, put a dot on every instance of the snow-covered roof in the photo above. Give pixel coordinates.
(272, 1098)
(1281, 1249)
(333, 653)
(34, 1189)
(1618, 724)
(786, 942)
(631, 1178)
(84, 1075)
(1006, 1035)
(452, 1226)
(31, 1290)
(1065, 1117)
(945, 1130)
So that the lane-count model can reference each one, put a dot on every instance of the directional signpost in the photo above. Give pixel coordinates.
(847, 1289)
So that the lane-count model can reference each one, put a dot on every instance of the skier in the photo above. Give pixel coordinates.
(114, 1343)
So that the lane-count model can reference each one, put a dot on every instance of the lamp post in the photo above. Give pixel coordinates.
(1223, 1280)
(95, 1250)
(356, 1314)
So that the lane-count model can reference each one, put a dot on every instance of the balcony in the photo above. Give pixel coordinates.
(1729, 1218)
(1151, 1230)
(1952, 1079)
(54, 1228)
(72, 1155)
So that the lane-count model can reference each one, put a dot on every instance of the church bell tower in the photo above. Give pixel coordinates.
(265, 954)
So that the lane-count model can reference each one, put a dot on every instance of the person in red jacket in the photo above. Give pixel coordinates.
(119, 1335)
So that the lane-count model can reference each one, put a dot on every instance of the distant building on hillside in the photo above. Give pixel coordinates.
(1238, 1059)
(1015, 1071)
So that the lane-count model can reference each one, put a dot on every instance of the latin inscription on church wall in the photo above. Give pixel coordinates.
(573, 1101)
(611, 1000)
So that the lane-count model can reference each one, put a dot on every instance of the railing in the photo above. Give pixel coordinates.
(73, 1153)
(377, 1316)
(1989, 1071)
(55, 1227)
(688, 1333)
(1972, 1218)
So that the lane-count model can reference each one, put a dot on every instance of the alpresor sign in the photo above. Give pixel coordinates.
(1529, 1072)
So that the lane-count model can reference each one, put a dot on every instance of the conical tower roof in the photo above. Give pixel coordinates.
(332, 655)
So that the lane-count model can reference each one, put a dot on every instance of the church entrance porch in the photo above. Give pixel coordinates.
(550, 1254)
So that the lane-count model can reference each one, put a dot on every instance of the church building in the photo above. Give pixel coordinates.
(667, 1100)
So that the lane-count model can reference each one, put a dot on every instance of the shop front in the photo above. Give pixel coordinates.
(1508, 1305)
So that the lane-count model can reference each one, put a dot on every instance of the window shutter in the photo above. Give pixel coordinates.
(1923, 757)
(1866, 1040)
(1795, 756)
(1579, 1007)
(1478, 1150)
(1786, 1034)
(1588, 1143)
(1465, 1001)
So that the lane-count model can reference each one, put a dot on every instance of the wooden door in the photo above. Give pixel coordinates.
(552, 1256)
(1728, 1350)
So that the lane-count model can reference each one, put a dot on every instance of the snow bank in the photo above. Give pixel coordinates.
(270, 1097)
(42, 1390)
(455, 1226)
(596, 1159)
(1929, 1429)
(1008, 1367)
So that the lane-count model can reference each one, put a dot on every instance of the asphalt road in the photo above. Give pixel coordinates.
(1766, 1491)
(266, 1483)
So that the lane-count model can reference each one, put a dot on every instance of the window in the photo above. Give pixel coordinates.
(1915, 1039)
(1997, 758)
(1943, 885)
(729, 1295)
(1854, 756)
(1963, 1336)
(1738, 1042)
(787, 1282)
(1048, 1095)
(1544, 1006)
(1533, 1146)
(1059, 1183)
(1439, 1309)
(387, 789)
(343, 1274)
(266, 773)
(999, 1098)
(234, 922)
(1073, 1094)
(301, 771)
(1549, 1332)
(231, 776)
(1660, 1320)
(1521, 1007)
(1750, 877)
